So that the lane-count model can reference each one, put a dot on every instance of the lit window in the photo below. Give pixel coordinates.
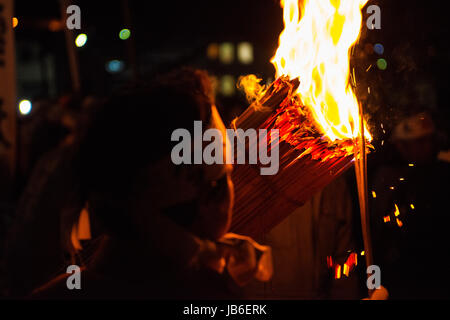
(212, 51)
(245, 53)
(226, 53)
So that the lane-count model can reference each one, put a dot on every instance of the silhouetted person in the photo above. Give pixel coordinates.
(411, 246)
(161, 222)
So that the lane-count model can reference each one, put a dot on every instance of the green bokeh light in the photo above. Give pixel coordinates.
(124, 34)
(381, 64)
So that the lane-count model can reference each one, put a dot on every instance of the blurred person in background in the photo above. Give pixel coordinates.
(50, 199)
(410, 214)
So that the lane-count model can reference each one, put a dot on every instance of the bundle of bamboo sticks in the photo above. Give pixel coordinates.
(307, 161)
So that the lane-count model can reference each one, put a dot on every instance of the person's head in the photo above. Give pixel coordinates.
(414, 138)
(126, 159)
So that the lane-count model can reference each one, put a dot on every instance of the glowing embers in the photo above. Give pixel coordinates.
(329, 262)
(295, 121)
(346, 268)
(298, 128)
(397, 211)
(396, 218)
(337, 271)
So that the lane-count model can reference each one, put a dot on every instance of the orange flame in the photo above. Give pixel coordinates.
(316, 49)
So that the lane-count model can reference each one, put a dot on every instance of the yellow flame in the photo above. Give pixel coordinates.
(337, 274)
(316, 48)
(346, 269)
(397, 211)
(251, 86)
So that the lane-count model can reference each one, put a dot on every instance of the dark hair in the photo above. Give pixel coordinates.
(131, 131)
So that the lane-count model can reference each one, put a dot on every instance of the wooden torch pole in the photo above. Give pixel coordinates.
(361, 178)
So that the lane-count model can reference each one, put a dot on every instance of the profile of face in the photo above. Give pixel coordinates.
(215, 205)
(217, 194)
(198, 197)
